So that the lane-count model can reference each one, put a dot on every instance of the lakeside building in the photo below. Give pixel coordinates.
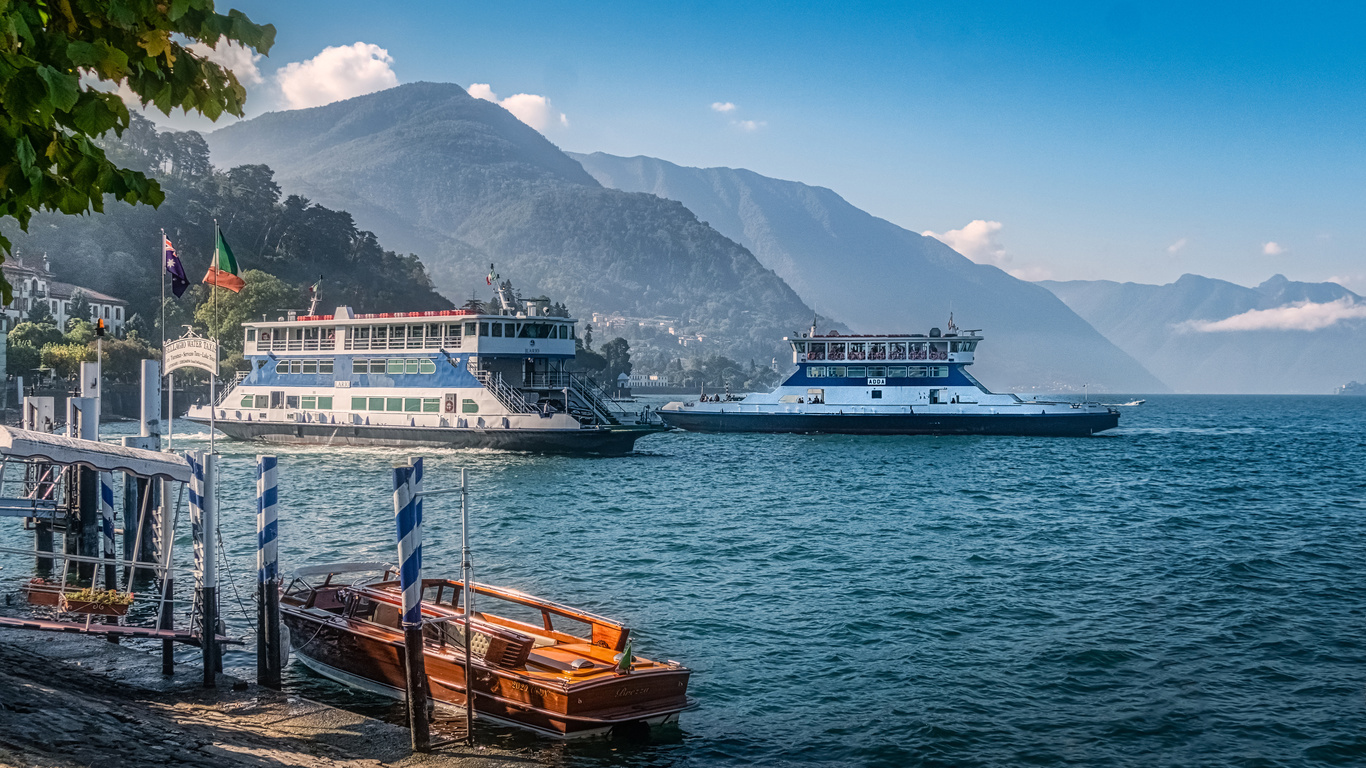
(34, 283)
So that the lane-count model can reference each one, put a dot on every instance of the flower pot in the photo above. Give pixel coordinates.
(42, 592)
(97, 609)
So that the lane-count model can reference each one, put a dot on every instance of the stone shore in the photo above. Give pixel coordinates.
(71, 700)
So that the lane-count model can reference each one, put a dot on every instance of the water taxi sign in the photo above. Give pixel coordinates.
(191, 351)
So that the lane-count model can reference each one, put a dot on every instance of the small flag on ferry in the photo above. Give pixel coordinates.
(179, 282)
(492, 276)
(313, 289)
(223, 270)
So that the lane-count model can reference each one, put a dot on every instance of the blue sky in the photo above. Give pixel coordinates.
(1119, 141)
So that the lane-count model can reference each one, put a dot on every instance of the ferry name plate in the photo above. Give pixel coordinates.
(876, 382)
(191, 352)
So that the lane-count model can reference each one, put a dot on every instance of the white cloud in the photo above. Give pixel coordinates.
(1273, 249)
(535, 111)
(749, 126)
(722, 106)
(339, 72)
(1299, 316)
(238, 59)
(1175, 247)
(978, 240)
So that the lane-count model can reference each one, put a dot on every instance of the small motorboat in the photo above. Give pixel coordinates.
(540, 666)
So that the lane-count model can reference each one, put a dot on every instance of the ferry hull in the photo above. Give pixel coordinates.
(1037, 424)
(611, 441)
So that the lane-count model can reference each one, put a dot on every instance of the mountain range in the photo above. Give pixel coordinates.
(462, 182)
(1199, 334)
(880, 278)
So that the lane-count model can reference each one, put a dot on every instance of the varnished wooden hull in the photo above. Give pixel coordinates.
(371, 658)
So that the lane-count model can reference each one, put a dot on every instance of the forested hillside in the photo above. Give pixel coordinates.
(119, 252)
(464, 183)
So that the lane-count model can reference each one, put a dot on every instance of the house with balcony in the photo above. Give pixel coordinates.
(33, 281)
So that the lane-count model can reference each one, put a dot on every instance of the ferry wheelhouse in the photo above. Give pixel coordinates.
(896, 384)
(456, 378)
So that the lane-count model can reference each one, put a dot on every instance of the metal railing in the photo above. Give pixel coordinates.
(558, 380)
(509, 397)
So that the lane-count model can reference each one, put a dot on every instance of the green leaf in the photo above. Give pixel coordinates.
(178, 9)
(62, 89)
(23, 150)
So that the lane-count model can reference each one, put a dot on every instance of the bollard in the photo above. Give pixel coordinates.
(408, 517)
(269, 654)
(167, 577)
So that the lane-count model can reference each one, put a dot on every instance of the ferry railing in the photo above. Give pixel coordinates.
(594, 397)
(509, 397)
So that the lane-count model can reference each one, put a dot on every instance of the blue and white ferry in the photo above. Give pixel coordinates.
(450, 378)
(901, 384)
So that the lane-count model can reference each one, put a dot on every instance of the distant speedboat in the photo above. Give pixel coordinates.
(567, 674)
(1125, 405)
(900, 384)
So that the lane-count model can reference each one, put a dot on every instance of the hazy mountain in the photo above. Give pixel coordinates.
(1205, 335)
(463, 183)
(879, 277)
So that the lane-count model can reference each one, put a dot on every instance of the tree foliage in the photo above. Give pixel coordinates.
(58, 63)
(617, 354)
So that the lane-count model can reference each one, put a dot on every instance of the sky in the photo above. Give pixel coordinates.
(1118, 141)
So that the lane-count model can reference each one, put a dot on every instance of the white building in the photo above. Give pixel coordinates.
(34, 283)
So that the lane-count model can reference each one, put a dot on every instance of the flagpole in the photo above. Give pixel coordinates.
(213, 314)
(170, 410)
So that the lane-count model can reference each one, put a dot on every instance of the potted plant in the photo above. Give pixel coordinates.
(42, 592)
(103, 602)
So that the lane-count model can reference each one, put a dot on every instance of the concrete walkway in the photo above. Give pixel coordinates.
(81, 701)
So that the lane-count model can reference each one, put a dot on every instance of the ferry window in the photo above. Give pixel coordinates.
(247, 401)
(877, 351)
(262, 401)
(815, 371)
(915, 371)
(953, 346)
(858, 351)
(393, 403)
(896, 350)
(877, 371)
(415, 333)
(453, 330)
(310, 366)
(396, 334)
(469, 406)
(837, 372)
(357, 403)
(469, 329)
(941, 371)
(324, 366)
(431, 405)
(251, 334)
(969, 346)
(896, 372)
(877, 394)
(296, 366)
(411, 366)
(815, 351)
(799, 346)
(498, 329)
(434, 332)
(291, 401)
(483, 329)
(858, 372)
(377, 366)
(395, 367)
(359, 365)
(325, 403)
(412, 404)
(309, 402)
(837, 350)
(427, 366)
(376, 404)
(511, 330)
(571, 332)
(282, 366)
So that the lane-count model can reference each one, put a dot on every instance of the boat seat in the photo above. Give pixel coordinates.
(387, 615)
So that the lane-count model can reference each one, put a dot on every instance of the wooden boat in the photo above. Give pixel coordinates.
(537, 665)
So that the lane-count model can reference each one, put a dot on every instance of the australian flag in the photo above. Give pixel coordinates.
(179, 282)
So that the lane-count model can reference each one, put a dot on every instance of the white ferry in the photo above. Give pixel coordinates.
(902, 384)
(451, 378)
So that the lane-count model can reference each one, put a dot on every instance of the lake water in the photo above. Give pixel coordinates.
(1185, 590)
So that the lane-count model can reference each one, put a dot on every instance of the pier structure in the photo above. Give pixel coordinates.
(269, 651)
(408, 519)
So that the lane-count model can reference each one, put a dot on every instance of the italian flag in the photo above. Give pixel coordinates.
(223, 270)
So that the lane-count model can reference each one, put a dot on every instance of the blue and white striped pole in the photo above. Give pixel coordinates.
(408, 517)
(269, 653)
(203, 506)
(107, 527)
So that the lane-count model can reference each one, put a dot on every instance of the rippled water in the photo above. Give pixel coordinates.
(1184, 590)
